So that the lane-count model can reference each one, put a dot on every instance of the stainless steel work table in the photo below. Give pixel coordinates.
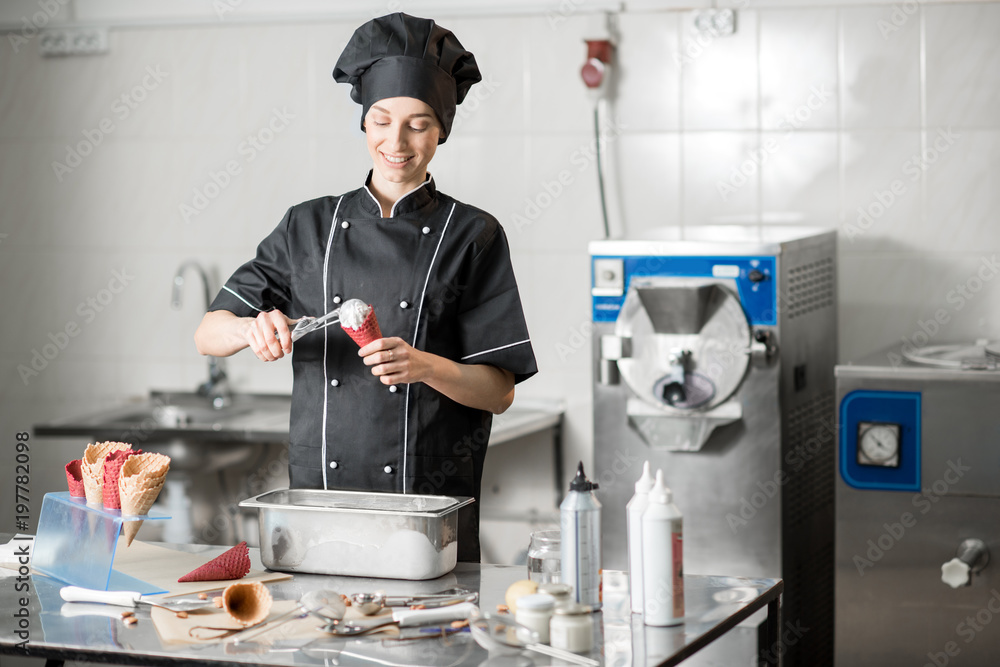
(714, 606)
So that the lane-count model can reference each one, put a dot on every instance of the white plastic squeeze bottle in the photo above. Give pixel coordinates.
(633, 527)
(580, 531)
(662, 558)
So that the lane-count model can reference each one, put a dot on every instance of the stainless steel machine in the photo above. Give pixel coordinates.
(918, 507)
(713, 352)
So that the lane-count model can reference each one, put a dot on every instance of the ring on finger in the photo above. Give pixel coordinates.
(391, 355)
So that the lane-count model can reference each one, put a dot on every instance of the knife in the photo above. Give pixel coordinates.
(129, 599)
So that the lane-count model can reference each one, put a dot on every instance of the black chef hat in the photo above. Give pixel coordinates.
(404, 56)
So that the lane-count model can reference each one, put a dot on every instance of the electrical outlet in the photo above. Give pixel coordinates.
(716, 22)
(73, 41)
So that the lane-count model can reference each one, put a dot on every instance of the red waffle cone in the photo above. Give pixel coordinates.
(113, 463)
(92, 468)
(367, 332)
(234, 564)
(74, 479)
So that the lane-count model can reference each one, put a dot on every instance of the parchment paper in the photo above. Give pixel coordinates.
(162, 567)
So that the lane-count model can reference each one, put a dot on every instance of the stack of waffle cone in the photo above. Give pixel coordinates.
(92, 469)
(368, 331)
(139, 484)
(248, 602)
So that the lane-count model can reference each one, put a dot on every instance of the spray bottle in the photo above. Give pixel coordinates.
(580, 532)
(633, 527)
(662, 558)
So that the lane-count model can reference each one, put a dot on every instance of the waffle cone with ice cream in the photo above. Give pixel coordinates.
(358, 319)
(139, 484)
(92, 469)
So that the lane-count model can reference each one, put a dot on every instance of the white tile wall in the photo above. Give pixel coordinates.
(963, 65)
(800, 177)
(798, 69)
(686, 116)
(721, 177)
(720, 89)
(647, 72)
(880, 79)
(881, 192)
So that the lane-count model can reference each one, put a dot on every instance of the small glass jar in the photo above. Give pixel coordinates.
(544, 559)
(563, 593)
(572, 628)
(534, 612)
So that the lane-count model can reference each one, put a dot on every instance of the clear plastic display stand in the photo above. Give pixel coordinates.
(76, 543)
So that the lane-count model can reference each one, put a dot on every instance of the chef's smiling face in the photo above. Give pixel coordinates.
(402, 134)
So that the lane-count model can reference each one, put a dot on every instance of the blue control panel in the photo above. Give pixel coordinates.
(754, 278)
(899, 412)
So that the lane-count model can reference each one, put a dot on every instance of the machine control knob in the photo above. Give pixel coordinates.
(764, 349)
(956, 573)
(756, 276)
(971, 558)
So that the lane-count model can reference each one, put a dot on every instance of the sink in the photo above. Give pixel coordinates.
(168, 416)
(177, 416)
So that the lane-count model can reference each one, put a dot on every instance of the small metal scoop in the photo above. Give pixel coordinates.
(368, 603)
(309, 324)
(128, 599)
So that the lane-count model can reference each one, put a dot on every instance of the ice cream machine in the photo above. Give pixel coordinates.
(918, 507)
(713, 352)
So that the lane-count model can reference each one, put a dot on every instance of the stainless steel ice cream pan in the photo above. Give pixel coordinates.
(354, 533)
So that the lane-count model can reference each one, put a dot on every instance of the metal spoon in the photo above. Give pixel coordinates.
(372, 603)
(404, 618)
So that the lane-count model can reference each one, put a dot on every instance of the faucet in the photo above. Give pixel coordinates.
(216, 387)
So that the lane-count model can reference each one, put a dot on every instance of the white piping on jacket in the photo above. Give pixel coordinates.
(392, 211)
(326, 338)
(416, 329)
(502, 347)
(226, 287)
(377, 205)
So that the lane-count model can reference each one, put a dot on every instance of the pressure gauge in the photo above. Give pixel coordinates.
(878, 444)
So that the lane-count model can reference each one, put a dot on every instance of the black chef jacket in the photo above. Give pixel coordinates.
(438, 275)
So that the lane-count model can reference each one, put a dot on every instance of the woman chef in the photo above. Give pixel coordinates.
(410, 412)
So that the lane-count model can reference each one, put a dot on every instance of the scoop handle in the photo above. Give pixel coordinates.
(119, 598)
(454, 612)
(76, 609)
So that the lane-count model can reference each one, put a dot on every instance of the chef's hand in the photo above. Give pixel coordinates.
(268, 335)
(394, 361)
(479, 386)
